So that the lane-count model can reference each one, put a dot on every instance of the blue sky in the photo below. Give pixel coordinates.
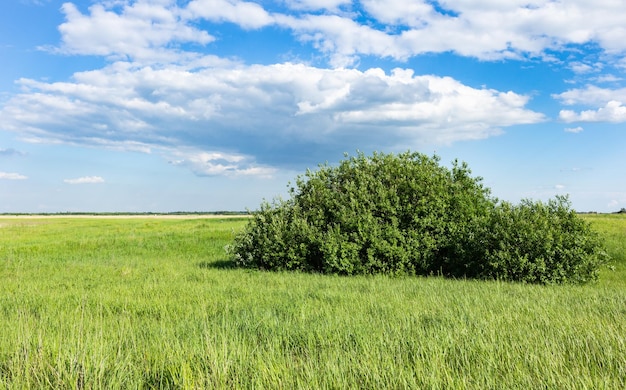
(205, 105)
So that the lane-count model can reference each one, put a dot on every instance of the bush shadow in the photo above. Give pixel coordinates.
(217, 264)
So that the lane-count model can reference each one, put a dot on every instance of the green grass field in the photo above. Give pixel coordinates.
(154, 303)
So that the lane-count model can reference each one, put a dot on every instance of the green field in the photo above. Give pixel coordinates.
(154, 303)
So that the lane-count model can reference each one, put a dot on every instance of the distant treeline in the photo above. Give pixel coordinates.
(147, 213)
(622, 211)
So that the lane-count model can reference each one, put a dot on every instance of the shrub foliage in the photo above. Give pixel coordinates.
(407, 214)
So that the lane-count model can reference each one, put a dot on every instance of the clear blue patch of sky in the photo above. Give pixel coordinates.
(28, 36)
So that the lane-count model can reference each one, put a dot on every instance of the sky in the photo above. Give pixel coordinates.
(210, 105)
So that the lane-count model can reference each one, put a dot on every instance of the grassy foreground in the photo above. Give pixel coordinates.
(153, 303)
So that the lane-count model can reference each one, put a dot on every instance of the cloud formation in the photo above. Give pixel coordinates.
(235, 109)
(12, 176)
(143, 30)
(218, 164)
(85, 180)
(346, 30)
(614, 111)
(609, 102)
(164, 91)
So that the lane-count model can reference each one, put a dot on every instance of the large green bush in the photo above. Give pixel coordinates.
(406, 214)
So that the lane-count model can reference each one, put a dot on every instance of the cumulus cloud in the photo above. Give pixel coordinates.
(143, 30)
(609, 103)
(257, 110)
(248, 15)
(85, 180)
(613, 111)
(486, 30)
(591, 95)
(346, 30)
(574, 130)
(160, 91)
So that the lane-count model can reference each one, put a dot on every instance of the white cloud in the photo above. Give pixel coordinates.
(559, 187)
(141, 31)
(344, 30)
(218, 163)
(608, 78)
(581, 68)
(85, 180)
(487, 30)
(12, 176)
(614, 112)
(609, 103)
(574, 130)
(257, 109)
(591, 95)
(342, 38)
(246, 14)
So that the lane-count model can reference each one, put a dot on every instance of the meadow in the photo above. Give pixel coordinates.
(152, 302)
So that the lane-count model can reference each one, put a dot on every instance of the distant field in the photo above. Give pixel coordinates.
(154, 303)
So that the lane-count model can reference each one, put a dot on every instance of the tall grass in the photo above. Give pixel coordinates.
(154, 303)
(613, 228)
